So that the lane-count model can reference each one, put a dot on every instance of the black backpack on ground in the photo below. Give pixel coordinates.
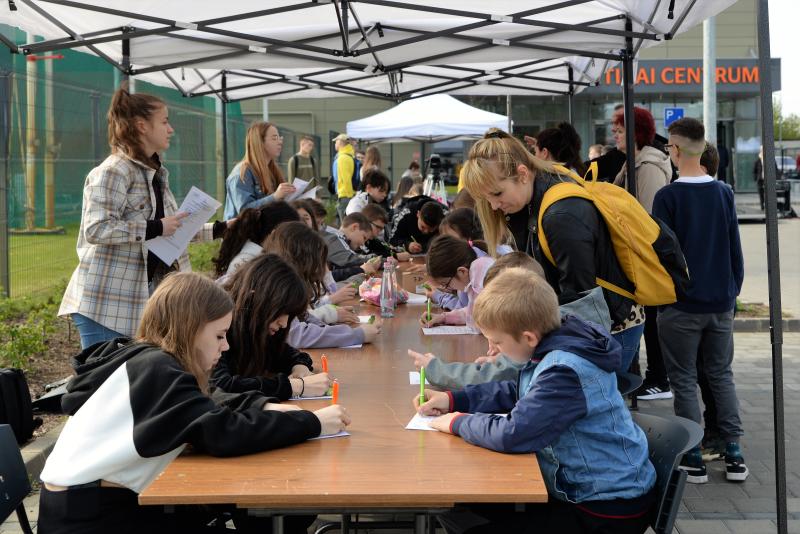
(15, 404)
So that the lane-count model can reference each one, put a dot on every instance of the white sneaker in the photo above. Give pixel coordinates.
(654, 393)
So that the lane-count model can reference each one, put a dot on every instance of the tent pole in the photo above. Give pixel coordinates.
(627, 99)
(570, 103)
(508, 112)
(773, 263)
(126, 59)
(223, 98)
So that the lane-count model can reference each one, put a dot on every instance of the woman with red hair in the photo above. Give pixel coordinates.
(653, 169)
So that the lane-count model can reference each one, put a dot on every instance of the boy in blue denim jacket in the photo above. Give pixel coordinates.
(565, 407)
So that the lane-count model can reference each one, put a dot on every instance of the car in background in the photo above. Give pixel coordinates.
(786, 166)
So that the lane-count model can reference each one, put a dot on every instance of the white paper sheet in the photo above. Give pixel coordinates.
(311, 193)
(413, 378)
(365, 319)
(448, 330)
(353, 346)
(322, 397)
(414, 298)
(341, 434)
(421, 422)
(200, 208)
(300, 187)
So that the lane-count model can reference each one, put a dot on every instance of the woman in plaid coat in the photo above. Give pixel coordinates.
(126, 202)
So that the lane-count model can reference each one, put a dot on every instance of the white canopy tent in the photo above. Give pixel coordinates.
(427, 119)
(395, 49)
(390, 49)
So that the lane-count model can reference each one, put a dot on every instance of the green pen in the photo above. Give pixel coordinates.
(414, 240)
(429, 311)
(371, 319)
(421, 386)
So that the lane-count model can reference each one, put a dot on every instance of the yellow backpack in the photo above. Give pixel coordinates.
(647, 249)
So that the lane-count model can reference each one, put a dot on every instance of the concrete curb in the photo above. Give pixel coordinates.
(35, 453)
(761, 324)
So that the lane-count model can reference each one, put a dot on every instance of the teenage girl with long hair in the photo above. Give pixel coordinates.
(561, 144)
(135, 405)
(257, 179)
(306, 251)
(126, 202)
(268, 294)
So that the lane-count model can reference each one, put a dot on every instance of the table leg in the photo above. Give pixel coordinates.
(419, 524)
(277, 524)
(345, 523)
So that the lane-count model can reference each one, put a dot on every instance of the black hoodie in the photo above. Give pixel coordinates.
(133, 409)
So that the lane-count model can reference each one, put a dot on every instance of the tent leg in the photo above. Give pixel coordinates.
(627, 99)
(223, 97)
(773, 264)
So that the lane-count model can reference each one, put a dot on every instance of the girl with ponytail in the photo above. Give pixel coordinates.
(562, 144)
(126, 202)
(257, 179)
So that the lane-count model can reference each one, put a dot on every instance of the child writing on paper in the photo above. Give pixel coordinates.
(564, 406)
(304, 249)
(496, 366)
(453, 266)
(135, 405)
(267, 295)
(342, 246)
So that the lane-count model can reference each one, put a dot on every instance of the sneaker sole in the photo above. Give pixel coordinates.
(655, 396)
(694, 479)
(737, 477)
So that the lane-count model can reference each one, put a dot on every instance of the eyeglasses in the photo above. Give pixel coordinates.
(275, 138)
(378, 226)
(446, 288)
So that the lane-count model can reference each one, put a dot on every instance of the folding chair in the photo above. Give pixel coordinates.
(14, 484)
(668, 439)
(627, 383)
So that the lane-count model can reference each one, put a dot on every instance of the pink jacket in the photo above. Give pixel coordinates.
(477, 272)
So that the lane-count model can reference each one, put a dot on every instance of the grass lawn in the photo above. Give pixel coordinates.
(40, 262)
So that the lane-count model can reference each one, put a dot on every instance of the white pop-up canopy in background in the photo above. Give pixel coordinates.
(427, 119)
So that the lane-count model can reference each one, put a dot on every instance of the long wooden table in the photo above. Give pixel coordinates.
(381, 465)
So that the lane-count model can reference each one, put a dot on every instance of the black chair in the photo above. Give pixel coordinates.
(14, 484)
(668, 439)
(627, 383)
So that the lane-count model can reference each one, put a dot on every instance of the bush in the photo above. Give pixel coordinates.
(25, 323)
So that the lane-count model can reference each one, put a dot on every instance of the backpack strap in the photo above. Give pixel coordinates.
(560, 192)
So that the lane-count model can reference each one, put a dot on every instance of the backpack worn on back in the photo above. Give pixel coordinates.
(15, 404)
(647, 249)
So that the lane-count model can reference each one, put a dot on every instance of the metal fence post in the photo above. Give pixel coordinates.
(5, 137)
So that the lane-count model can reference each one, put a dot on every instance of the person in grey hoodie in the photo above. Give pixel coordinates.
(653, 168)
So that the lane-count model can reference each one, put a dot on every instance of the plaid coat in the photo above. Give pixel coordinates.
(110, 285)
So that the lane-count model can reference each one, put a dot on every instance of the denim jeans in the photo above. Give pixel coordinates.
(92, 332)
(629, 339)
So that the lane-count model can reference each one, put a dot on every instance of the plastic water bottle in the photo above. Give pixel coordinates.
(388, 295)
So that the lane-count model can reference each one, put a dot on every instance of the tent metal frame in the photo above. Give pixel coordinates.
(366, 43)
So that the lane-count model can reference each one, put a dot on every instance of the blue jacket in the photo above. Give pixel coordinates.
(241, 194)
(566, 408)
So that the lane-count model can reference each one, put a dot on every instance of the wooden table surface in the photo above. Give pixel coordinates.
(381, 465)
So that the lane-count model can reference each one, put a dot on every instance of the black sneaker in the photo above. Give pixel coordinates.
(735, 470)
(712, 448)
(654, 392)
(692, 463)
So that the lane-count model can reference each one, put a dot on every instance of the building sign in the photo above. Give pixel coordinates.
(686, 76)
(671, 115)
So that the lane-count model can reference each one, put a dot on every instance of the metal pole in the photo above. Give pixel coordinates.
(508, 112)
(570, 102)
(30, 141)
(224, 97)
(5, 137)
(126, 62)
(50, 149)
(627, 100)
(773, 262)
(710, 79)
(265, 109)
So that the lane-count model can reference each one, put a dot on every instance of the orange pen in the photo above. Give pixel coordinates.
(335, 392)
(324, 364)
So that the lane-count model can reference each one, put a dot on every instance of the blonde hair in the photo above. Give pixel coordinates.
(510, 260)
(497, 151)
(267, 171)
(517, 301)
(176, 312)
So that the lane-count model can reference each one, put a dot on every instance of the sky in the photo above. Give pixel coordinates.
(784, 16)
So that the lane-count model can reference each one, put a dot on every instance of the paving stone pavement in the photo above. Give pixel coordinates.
(719, 506)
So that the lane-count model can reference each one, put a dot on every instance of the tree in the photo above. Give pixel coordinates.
(784, 127)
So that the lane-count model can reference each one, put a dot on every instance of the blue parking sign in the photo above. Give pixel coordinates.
(671, 115)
